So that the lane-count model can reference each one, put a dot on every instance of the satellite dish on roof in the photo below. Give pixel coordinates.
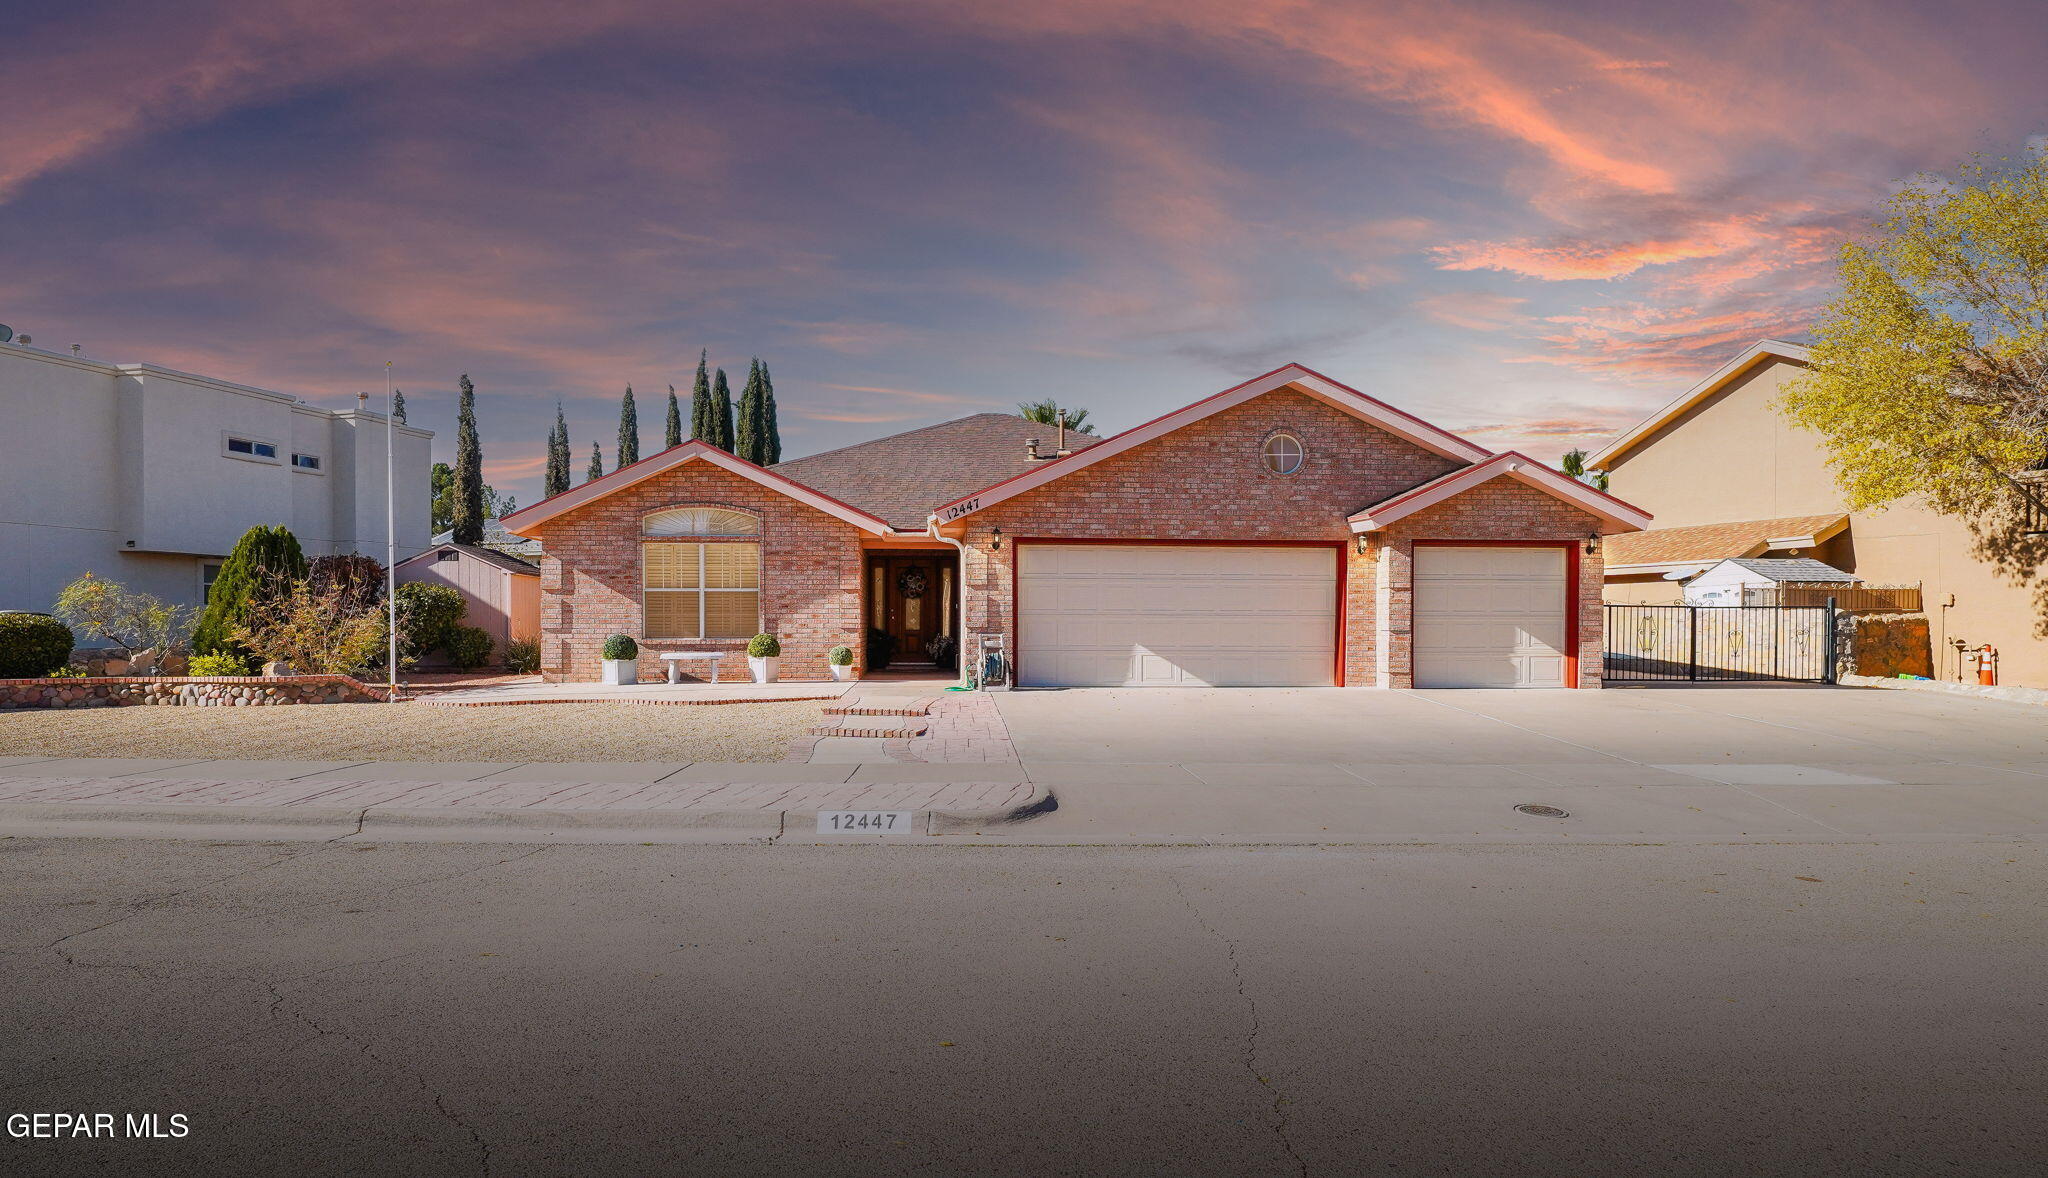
(6, 333)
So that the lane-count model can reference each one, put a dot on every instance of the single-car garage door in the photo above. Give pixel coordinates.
(1111, 615)
(1490, 617)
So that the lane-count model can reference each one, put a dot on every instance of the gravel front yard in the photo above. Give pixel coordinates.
(410, 732)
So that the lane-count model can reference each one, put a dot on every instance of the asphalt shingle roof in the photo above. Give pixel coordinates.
(904, 477)
(495, 536)
(1709, 542)
(1795, 568)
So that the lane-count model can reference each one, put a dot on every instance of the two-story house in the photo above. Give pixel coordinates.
(149, 476)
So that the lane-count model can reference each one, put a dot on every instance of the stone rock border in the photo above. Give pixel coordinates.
(186, 691)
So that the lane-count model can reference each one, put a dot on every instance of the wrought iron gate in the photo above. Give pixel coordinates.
(1720, 643)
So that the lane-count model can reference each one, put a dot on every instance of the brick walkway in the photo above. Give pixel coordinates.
(965, 729)
(479, 795)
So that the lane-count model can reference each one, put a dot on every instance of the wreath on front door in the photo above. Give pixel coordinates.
(912, 582)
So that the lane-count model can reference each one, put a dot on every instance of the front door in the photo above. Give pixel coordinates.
(910, 599)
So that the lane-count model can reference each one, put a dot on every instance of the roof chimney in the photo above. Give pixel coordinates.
(1031, 449)
(1062, 452)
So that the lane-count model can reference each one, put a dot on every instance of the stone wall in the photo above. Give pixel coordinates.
(239, 692)
(1883, 645)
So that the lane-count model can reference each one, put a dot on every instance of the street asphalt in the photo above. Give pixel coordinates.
(368, 1007)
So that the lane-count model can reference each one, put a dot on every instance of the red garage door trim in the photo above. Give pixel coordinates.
(1343, 572)
(1571, 592)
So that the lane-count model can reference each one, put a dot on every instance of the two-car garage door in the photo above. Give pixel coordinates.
(1110, 615)
(1197, 616)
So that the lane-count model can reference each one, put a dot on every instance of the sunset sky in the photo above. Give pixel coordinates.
(1530, 222)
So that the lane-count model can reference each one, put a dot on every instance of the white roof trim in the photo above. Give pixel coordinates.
(1350, 400)
(1771, 348)
(526, 519)
(1622, 517)
(1682, 567)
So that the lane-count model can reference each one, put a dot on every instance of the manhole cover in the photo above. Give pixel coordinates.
(1541, 811)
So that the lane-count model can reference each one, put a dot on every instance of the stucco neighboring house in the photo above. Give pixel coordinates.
(500, 592)
(149, 476)
(1287, 531)
(1727, 475)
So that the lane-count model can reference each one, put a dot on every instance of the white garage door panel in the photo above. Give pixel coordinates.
(1175, 616)
(1489, 617)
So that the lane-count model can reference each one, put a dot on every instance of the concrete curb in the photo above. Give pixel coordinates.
(468, 824)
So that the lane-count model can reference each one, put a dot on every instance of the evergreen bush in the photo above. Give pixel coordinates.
(840, 656)
(764, 646)
(620, 647)
(468, 647)
(32, 645)
(264, 561)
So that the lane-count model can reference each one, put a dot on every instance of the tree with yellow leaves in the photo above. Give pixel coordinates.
(1930, 375)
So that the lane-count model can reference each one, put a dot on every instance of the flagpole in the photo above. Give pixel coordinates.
(390, 539)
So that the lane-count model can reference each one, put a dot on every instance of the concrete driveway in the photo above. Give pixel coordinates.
(1664, 764)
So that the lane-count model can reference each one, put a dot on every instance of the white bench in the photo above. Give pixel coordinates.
(674, 657)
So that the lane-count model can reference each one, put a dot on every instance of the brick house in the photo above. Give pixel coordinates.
(1288, 531)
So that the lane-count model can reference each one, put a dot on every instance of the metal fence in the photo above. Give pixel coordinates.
(1848, 598)
(1719, 643)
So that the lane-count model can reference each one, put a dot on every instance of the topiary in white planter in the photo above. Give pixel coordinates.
(840, 659)
(621, 660)
(764, 651)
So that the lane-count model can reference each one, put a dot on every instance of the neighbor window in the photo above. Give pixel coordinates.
(1283, 453)
(251, 448)
(706, 589)
(306, 461)
(209, 572)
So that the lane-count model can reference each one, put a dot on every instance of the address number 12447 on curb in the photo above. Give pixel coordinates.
(867, 822)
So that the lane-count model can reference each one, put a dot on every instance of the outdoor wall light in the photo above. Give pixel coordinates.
(1593, 544)
(996, 545)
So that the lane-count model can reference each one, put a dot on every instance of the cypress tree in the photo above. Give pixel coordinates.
(700, 404)
(774, 430)
(398, 404)
(750, 445)
(721, 413)
(468, 519)
(261, 559)
(629, 431)
(596, 463)
(674, 435)
(558, 455)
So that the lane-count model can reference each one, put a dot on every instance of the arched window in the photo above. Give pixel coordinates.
(693, 586)
(1283, 453)
(700, 521)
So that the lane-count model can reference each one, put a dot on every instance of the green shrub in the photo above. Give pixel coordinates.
(620, 647)
(468, 647)
(209, 666)
(764, 646)
(32, 645)
(840, 656)
(264, 561)
(426, 614)
(522, 656)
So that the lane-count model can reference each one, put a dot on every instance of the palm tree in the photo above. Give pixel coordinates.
(1574, 464)
(1047, 412)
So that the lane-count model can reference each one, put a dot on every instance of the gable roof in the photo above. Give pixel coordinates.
(489, 556)
(902, 476)
(1394, 421)
(1760, 352)
(526, 519)
(1797, 568)
(1618, 515)
(1708, 543)
(495, 536)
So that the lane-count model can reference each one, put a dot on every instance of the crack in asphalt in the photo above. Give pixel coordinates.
(1256, 1025)
(367, 1050)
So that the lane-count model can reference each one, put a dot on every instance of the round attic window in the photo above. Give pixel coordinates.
(1283, 453)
